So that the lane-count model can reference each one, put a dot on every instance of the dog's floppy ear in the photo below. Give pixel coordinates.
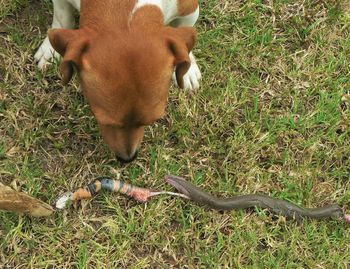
(71, 45)
(181, 41)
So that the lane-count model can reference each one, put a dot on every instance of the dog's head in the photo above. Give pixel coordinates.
(125, 77)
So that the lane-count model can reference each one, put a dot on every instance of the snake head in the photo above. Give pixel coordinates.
(178, 183)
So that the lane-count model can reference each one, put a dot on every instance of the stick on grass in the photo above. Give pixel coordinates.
(19, 202)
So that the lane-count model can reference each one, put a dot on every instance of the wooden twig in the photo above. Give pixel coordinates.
(11, 200)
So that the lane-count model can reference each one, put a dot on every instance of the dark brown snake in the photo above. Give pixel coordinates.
(276, 206)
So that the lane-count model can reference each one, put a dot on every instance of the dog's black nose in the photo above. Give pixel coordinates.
(129, 160)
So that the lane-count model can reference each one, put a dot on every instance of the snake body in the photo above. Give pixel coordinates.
(276, 206)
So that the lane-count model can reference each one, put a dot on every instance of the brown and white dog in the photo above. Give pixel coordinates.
(125, 52)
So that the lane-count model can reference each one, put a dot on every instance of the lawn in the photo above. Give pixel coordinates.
(272, 116)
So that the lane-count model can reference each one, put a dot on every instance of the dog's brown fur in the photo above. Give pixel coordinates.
(124, 66)
(187, 7)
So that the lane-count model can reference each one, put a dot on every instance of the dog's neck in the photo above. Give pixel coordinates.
(119, 16)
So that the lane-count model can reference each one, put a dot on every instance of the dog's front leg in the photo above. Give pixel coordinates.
(193, 75)
(62, 18)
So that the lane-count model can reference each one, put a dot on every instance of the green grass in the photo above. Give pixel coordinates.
(272, 116)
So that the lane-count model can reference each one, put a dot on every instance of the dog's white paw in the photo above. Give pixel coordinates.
(45, 54)
(191, 78)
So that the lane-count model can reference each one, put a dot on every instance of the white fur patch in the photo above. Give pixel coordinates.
(75, 4)
(188, 20)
